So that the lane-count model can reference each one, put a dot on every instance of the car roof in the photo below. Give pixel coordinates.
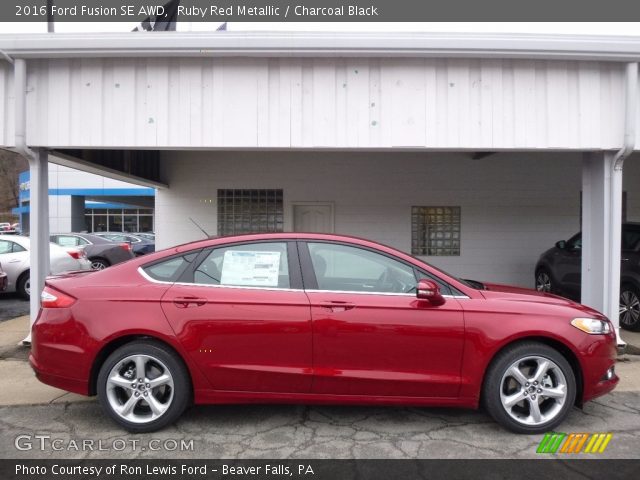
(19, 239)
(247, 237)
(88, 236)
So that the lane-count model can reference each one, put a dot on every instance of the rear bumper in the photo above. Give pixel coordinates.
(64, 383)
(60, 354)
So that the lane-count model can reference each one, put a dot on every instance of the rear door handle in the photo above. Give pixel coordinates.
(337, 306)
(186, 302)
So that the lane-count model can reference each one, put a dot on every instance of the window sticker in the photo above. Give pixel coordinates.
(250, 268)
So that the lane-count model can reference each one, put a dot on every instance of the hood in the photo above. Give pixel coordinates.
(518, 294)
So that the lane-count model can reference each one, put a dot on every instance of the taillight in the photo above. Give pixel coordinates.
(77, 254)
(51, 298)
(126, 246)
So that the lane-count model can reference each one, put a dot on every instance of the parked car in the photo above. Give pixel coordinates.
(147, 235)
(101, 252)
(139, 245)
(3, 279)
(14, 256)
(559, 271)
(310, 318)
(5, 227)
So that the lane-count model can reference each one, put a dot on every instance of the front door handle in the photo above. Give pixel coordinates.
(186, 302)
(337, 306)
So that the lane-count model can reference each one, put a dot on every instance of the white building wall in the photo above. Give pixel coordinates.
(324, 102)
(514, 206)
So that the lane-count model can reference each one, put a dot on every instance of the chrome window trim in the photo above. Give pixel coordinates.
(153, 280)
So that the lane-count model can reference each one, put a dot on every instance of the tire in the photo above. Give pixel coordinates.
(128, 406)
(543, 281)
(629, 307)
(99, 263)
(505, 399)
(23, 286)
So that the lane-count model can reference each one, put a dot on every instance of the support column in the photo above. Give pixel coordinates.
(601, 235)
(39, 229)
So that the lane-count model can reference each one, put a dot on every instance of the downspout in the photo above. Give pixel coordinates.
(615, 260)
(630, 116)
(39, 263)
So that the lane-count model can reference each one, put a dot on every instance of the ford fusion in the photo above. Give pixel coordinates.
(313, 318)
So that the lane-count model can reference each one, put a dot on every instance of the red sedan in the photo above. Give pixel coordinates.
(314, 318)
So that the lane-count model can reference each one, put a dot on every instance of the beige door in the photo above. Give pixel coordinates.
(313, 217)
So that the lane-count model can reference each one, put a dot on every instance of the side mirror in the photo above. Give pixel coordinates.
(428, 290)
(561, 244)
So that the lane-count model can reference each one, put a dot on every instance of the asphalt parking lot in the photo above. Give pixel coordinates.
(12, 306)
(285, 431)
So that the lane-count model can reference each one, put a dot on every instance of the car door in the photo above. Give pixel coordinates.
(371, 335)
(15, 260)
(243, 316)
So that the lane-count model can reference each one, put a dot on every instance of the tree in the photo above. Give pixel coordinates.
(11, 164)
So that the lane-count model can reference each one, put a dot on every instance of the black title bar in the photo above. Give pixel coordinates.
(322, 10)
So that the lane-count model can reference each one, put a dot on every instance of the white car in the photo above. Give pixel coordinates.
(14, 257)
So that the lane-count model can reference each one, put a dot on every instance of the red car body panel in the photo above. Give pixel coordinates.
(294, 345)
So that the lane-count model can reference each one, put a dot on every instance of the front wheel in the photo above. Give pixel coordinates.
(543, 281)
(143, 386)
(529, 388)
(629, 308)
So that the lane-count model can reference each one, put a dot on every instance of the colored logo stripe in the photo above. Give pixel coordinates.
(554, 442)
(550, 442)
(598, 443)
(574, 443)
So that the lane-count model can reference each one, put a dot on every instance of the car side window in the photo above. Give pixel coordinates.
(575, 242)
(630, 239)
(10, 247)
(247, 265)
(5, 247)
(169, 270)
(69, 241)
(351, 269)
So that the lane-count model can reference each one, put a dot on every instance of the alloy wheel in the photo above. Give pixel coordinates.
(533, 390)
(27, 286)
(140, 389)
(629, 308)
(543, 282)
(98, 265)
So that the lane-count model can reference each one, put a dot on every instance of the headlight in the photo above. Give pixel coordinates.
(592, 326)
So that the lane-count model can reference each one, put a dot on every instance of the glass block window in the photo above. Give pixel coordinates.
(435, 231)
(249, 211)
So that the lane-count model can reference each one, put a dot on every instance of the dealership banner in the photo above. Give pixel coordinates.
(317, 469)
(317, 10)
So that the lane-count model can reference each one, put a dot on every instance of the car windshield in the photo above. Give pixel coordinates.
(469, 283)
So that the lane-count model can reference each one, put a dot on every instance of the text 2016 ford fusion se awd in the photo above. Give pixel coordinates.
(314, 318)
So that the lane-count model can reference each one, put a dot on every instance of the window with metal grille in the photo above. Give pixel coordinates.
(249, 211)
(435, 231)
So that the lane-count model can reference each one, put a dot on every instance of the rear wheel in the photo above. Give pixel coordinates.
(98, 263)
(144, 386)
(529, 388)
(543, 281)
(23, 287)
(629, 307)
